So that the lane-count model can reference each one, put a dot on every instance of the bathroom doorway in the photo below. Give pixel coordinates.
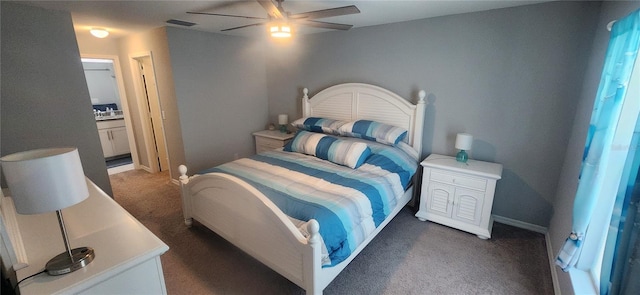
(110, 109)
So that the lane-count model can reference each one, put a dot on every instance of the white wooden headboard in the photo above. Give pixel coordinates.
(355, 101)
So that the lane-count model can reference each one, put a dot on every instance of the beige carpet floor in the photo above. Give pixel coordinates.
(407, 257)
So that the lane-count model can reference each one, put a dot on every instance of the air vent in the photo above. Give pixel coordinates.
(180, 23)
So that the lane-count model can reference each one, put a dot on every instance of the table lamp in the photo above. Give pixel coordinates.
(283, 120)
(47, 180)
(463, 143)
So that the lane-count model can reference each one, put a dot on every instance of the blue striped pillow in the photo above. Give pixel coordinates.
(320, 125)
(342, 152)
(374, 131)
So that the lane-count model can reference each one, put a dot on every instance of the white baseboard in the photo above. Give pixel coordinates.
(520, 224)
(552, 264)
(119, 169)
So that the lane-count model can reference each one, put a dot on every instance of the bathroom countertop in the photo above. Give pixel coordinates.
(114, 117)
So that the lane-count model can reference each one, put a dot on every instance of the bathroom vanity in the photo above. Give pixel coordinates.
(113, 137)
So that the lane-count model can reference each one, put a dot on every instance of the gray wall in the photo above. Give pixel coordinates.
(221, 92)
(44, 98)
(560, 225)
(510, 77)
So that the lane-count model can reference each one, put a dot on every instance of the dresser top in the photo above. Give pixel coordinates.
(480, 168)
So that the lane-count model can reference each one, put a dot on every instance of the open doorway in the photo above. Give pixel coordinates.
(154, 156)
(110, 109)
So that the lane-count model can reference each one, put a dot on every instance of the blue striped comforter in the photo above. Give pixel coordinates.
(347, 203)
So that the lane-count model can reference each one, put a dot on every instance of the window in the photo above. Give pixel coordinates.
(586, 276)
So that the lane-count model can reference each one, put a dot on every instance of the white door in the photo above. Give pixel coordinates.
(152, 111)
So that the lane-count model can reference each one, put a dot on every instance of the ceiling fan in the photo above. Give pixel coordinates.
(278, 19)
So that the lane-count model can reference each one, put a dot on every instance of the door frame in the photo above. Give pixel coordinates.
(123, 101)
(141, 99)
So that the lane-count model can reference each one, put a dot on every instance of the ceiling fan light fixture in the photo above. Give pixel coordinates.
(99, 33)
(280, 30)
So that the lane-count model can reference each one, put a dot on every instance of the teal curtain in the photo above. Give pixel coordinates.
(618, 65)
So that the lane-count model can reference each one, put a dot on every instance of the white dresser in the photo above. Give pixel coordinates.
(459, 195)
(127, 254)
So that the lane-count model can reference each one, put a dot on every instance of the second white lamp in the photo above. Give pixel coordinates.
(463, 143)
(283, 120)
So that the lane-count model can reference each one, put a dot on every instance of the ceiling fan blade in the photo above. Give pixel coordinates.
(240, 27)
(271, 9)
(338, 11)
(229, 15)
(323, 25)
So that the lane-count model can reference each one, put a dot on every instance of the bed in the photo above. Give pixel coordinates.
(240, 209)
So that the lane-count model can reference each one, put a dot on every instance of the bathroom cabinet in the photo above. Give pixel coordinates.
(113, 138)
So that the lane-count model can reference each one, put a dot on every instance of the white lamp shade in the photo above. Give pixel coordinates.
(45, 180)
(283, 119)
(464, 141)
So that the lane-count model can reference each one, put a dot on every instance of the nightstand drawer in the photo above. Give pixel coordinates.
(459, 180)
(269, 143)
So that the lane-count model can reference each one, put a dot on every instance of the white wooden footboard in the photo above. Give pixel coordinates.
(245, 217)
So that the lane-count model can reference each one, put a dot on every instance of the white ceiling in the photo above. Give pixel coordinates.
(125, 17)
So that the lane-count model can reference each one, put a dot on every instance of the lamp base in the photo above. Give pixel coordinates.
(462, 156)
(63, 264)
(283, 128)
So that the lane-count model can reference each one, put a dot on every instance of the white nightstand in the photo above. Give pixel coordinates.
(271, 139)
(459, 195)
